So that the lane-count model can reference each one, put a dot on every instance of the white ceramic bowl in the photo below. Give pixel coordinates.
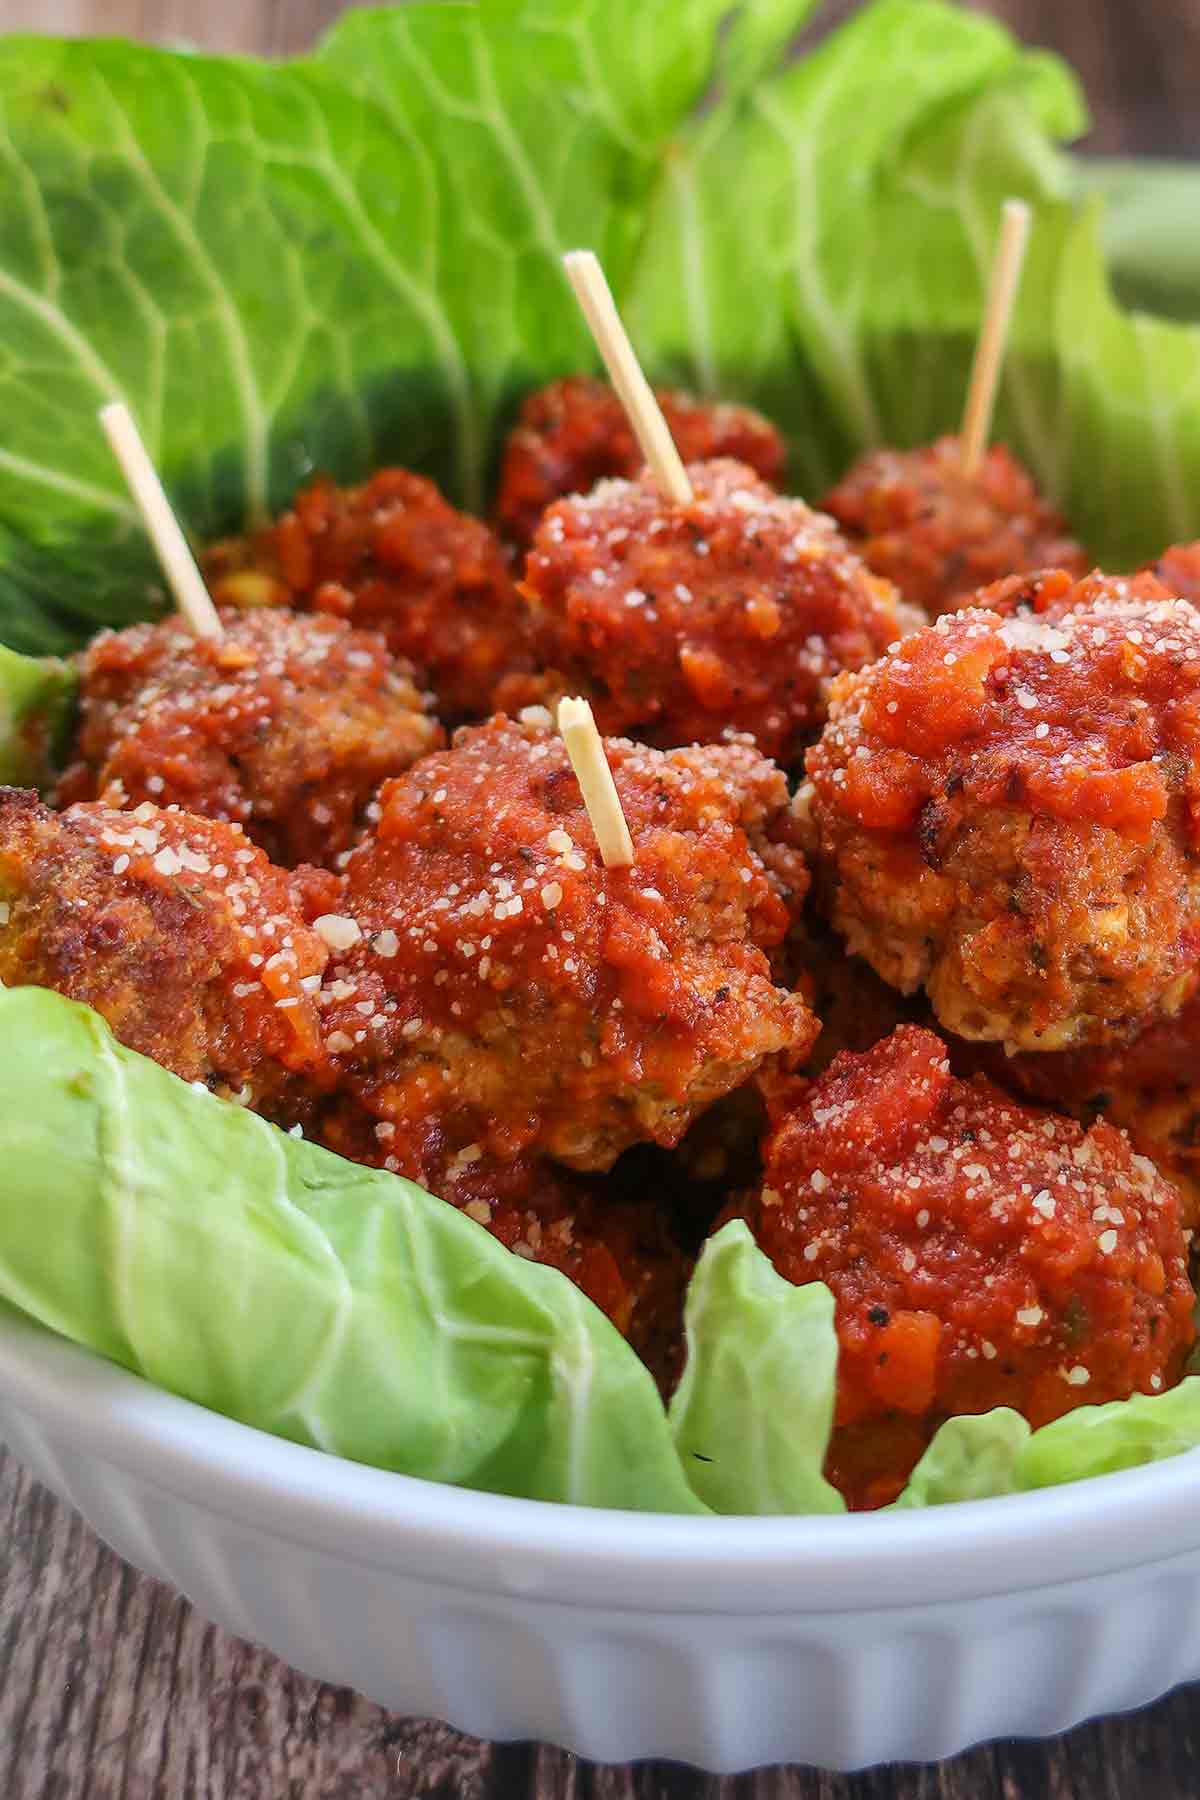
(721, 1642)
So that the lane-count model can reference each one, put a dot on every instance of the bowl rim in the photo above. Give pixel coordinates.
(622, 1561)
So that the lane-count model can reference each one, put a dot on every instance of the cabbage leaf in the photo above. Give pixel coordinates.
(997, 1453)
(752, 1413)
(1149, 245)
(37, 695)
(353, 257)
(262, 1276)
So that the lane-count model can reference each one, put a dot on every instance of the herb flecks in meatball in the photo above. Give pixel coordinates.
(980, 1252)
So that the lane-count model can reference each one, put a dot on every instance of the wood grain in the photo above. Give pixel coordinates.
(112, 1688)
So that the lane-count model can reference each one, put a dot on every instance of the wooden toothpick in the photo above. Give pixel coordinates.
(178, 564)
(634, 391)
(989, 351)
(586, 751)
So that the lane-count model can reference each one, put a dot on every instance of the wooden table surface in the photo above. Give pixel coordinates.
(112, 1688)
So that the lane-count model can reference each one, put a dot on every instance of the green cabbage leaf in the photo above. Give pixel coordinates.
(752, 1413)
(353, 257)
(1149, 244)
(261, 1276)
(37, 705)
(997, 1453)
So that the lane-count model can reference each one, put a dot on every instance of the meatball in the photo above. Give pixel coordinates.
(1159, 1057)
(1178, 568)
(684, 623)
(286, 725)
(1164, 1125)
(1008, 811)
(1161, 1120)
(393, 556)
(498, 992)
(178, 931)
(917, 518)
(574, 433)
(980, 1253)
(1150, 1087)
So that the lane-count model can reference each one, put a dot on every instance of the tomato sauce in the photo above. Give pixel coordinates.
(916, 517)
(574, 433)
(981, 1253)
(684, 624)
(395, 557)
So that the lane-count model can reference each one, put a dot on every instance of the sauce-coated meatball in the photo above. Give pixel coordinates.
(938, 533)
(980, 1252)
(393, 556)
(286, 725)
(574, 433)
(497, 991)
(1007, 809)
(682, 624)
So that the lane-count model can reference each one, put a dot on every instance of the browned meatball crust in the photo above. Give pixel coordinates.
(178, 931)
(286, 725)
